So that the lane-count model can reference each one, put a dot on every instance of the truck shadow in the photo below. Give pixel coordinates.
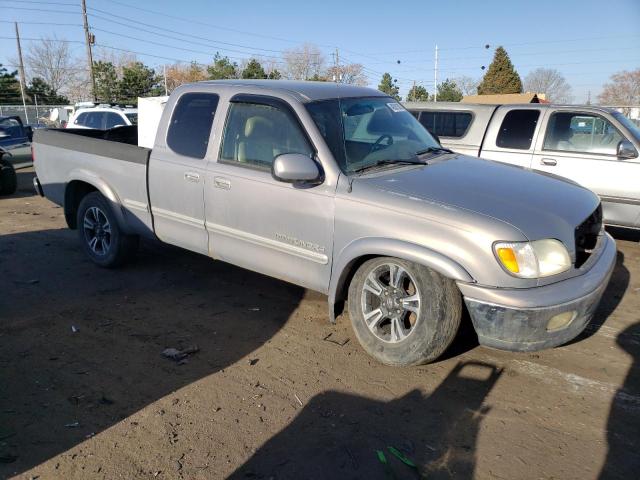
(338, 435)
(623, 455)
(610, 299)
(25, 185)
(81, 346)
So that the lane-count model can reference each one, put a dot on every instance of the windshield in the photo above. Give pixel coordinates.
(363, 132)
(133, 118)
(632, 127)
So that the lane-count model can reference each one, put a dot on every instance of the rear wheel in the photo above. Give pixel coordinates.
(403, 313)
(100, 235)
(8, 178)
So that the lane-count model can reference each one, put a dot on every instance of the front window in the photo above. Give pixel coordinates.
(634, 128)
(581, 132)
(366, 131)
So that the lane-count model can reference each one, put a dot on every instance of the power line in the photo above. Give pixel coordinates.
(192, 21)
(45, 23)
(66, 4)
(164, 35)
(42, 10)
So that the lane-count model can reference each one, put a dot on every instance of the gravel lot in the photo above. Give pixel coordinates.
(275, 391)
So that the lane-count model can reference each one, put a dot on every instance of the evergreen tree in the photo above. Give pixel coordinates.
(106, 81)
(138, 80)
(274, 75)
(318, 78)
(387, 86)
(448, 91)
(418, 94)
(254, 70)
(41, 91)
(222, 68)
(501, 77)
(9, 86)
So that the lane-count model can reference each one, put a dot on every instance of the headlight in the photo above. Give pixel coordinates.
(537, 259)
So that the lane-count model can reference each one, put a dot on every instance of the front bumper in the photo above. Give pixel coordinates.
(517, 319)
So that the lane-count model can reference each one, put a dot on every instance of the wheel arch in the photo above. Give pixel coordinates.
(78, 187)
(361, 250)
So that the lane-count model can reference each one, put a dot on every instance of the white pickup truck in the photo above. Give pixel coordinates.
(594, 146)
(339, 189)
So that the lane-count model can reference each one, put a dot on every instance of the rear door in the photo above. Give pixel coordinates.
(177, 172)
(511, 135)
(255, 221)
(582, 146)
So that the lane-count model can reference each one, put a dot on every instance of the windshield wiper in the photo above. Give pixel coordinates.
(381, 163)
(433, 150)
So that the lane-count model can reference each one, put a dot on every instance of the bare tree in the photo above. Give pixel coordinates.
(550, 82)
(351, 73)
(623, 90)
(467, 85)
(51, 60)
(303, 63)
(181, 73)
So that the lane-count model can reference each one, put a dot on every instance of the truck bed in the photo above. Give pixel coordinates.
(108, 160)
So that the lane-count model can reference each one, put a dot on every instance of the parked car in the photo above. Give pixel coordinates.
(594, 146)
(339, 189)
(15, 143)
(103, 117)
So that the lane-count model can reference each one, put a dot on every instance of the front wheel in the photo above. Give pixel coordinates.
(403, 313)
(8, 178)
(100, 235)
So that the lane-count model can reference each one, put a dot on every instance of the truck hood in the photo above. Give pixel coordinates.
(539, 205)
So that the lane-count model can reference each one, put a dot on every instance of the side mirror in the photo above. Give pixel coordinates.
(626, 149)
(294, 168)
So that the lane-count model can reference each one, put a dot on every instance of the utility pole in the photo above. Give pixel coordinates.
(89, 40)
(23, 80)
(336, 59)
(164, 72)
(435, 77)
(589, 97)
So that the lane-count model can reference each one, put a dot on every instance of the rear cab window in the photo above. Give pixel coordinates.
(518, 129)
(190, 125)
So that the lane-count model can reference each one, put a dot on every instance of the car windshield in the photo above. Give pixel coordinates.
(363, 132)
(133, 118)
(632, 127)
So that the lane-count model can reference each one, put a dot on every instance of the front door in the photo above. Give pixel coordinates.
(582, 147)
(177, 173)
(255, 221)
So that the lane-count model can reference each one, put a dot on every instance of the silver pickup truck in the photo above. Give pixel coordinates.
(594, 146)
(339, 189)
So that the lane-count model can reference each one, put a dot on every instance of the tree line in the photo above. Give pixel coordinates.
(56, 77)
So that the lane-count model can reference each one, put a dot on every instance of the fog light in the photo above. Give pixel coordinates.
(560, 321)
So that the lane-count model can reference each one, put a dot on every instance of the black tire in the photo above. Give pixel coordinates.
(8, 178)
(435, 322)
(112, 248)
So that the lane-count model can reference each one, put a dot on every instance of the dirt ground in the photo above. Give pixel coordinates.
(275, 391)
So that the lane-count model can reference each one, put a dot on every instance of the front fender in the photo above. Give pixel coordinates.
(387, 247)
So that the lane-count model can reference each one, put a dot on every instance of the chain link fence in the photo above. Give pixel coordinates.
(33, 114)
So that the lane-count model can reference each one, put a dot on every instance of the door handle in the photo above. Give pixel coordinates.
(549, 161)
(191, 177)
(222, 183)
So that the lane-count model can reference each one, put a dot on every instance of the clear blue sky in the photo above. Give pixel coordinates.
(586, 40)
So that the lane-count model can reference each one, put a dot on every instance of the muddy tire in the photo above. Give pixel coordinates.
(8, 178)
(100, 234)
(403, 313)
